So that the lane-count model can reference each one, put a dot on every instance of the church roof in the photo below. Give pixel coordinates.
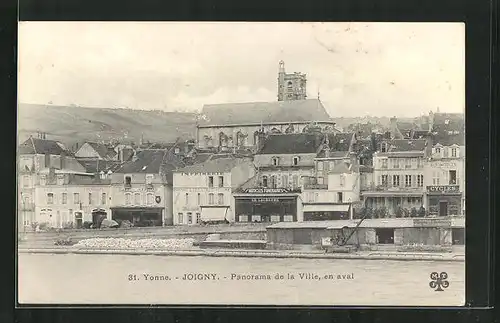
(265, 112)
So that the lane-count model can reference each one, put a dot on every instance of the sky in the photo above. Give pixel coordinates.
(358, 69)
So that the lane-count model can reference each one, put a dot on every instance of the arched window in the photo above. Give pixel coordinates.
(275, 161)
(239, 139)
(137, 198)
(264, 181)
(222, 140)
(295, 160)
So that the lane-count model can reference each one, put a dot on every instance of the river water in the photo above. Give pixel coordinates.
(109, 279)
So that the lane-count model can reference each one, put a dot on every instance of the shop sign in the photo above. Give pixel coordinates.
(431, 223)
(444, 189)
(443, 164)
(266, 190)
(265, 199)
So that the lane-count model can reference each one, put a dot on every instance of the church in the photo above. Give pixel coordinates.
(239, 126)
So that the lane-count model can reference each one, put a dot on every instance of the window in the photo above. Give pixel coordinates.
(64, 198)
(275, 161)
(190, 218)
(50, 198)
(385, 180)
(149, 179)
(273, 181)
(137, 198)
(435, 178)
(211, 199)
(76, 198)
(395, 163)
(340, 197)
(395, 180)
(384, 163)
(453, 152)
(90, 199)
(453, 177)
(264, 181)
(198, 217)
(186, 201)
(295, 181)
(210, 181)
(420, 180)
(221, 181)
(128, 199)
(26, 181)
(177, 150)
(408, 180)
(295, 161)
(220, 198)
(284, 181)
(149, 198)
(419, 163)
(342, 180)
(180, 219)
(103, 198)
(408, 163)
(438, 150)
(128, 181)
(320, 166)
(321, 180)
(198, 200)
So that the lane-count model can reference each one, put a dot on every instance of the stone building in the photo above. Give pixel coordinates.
(237, 125)
(202, 193)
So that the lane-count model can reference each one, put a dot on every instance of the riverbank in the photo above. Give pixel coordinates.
(379, 255)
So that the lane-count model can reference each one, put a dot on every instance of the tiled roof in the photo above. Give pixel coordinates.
(265, 112)
(95, 166)
(219, 165)
(448, 140)
(399, 145)
(104, 151)
(88, 180)
(297, 143)
(152, 161)
(444, 122)
(339, 145)
(42, 146)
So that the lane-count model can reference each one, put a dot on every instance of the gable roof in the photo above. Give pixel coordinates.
(104, 151)
(449, 140)
(265, 112)
(296, 143)
(152, 162)
(218, 165)
(42, 146)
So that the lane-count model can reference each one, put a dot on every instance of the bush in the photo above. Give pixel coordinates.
(86, 224)
(68, 225)
(44, 226)
(421, 212)
(399, 212)
(413, 212)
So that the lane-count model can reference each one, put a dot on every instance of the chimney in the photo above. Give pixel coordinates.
(428, 145)
(63, 160)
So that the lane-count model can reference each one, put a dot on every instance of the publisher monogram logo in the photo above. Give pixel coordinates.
(439, 281)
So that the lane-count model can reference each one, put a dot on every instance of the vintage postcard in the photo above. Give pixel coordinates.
(241, 163)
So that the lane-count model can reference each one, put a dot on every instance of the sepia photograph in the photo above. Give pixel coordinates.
(241, 163)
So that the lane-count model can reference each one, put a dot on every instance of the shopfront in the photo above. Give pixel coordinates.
(266, 205)
(444, 200)
(326, 211)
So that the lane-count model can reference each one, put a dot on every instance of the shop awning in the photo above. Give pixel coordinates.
(213, 213)
(326, 208)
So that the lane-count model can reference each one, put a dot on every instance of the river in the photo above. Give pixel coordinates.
(124, 279)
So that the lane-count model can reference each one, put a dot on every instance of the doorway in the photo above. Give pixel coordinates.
(385, 235)
(443, 208)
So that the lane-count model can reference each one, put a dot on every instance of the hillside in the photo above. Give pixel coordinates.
(75, 124)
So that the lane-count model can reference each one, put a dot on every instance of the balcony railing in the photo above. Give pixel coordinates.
(392, 188)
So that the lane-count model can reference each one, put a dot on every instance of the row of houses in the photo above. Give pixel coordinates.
(291, 177)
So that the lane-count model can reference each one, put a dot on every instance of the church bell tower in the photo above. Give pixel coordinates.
(291, 86)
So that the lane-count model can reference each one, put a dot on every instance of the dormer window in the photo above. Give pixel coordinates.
(128, 181)
(447, 121)
(454, 152)
(177, 150)
(295, 161)
(275, 161)
(384, 147)
(438, 150)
